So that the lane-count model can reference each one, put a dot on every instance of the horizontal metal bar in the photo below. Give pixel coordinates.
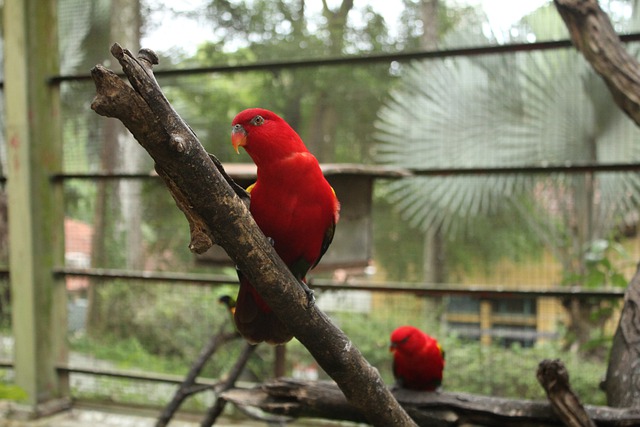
(568, 168)
(120, 374)
(358, 60)
(130, 375)
(99, 176)
(354, 285)
(405, 173)
(472, 290)
(155, 276)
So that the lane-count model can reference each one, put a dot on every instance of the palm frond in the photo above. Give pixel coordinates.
(532, 108)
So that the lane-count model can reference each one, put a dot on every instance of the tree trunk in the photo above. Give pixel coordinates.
(430, 24)
(118, 209)
(622, 383)
(322, 130)
(103, 224)
(125, 29)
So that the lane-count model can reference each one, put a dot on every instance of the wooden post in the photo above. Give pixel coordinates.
(486, 322)
(36, 230)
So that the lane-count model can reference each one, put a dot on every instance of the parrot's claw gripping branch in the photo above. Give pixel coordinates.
(311, 299)
(217, 212)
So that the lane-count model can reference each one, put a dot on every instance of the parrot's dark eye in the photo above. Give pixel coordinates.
(257, 120)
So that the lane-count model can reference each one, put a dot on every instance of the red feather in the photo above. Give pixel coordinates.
(418, 359)
(292, 203)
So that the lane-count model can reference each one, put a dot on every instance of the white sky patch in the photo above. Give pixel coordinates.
(503, 13)
(168, 32)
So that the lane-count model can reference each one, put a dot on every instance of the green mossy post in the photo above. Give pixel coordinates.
(36, 233)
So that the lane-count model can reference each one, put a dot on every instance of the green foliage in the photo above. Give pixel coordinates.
(165, 231)
(470, 367)
(480, 244)
(125, 353)
(161, 319)
(601, 266)
(390, 230)
(511, 372)
(11, 391)
(488, 239)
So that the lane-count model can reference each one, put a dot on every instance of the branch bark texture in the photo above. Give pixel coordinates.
(622, 383)
(593, 34)
(216, 214)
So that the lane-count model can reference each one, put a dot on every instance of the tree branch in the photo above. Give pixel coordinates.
(554, 378)
(593, 35)
(189, 387)
(216, 214)
(214, 412)
(322, 399)
(622, 383)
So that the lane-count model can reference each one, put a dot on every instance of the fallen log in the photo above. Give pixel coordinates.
(323, 399)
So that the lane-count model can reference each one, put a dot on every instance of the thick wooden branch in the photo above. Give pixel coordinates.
(217, 214)
(554, 378)
(622, 383)
(297, 399)
(593, 34)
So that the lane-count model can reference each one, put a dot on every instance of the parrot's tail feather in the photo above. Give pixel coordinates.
(255, 320)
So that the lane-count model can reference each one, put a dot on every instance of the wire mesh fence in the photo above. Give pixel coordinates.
(513, 230)
(493, 340)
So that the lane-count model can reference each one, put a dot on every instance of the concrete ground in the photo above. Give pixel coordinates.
(116, 417)
(90, 418)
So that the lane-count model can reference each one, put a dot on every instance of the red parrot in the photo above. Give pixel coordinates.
(418, 359)
(294, 206)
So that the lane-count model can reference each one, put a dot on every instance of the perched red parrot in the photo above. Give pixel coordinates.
(418, 359)
(292, 203)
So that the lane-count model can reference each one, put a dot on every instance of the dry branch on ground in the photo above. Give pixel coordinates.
(323, 399)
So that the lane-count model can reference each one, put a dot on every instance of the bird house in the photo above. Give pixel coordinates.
(352, 245)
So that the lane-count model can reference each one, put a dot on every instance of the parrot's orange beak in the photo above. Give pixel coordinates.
(238, 137)
(392, 347)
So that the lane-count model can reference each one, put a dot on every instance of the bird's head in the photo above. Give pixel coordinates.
(228, 302)
(406, 339)
(264, 135)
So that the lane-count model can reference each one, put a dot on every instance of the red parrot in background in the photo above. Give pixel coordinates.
(418, 359)
(294, 206)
